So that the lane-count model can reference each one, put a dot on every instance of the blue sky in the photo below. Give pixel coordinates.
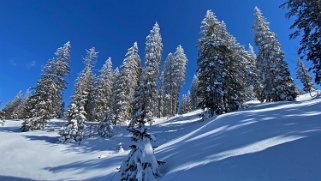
(32, 30)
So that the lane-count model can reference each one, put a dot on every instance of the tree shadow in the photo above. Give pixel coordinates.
(245, 133)
(48, 139)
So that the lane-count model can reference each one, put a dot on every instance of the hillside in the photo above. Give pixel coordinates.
(270, 141)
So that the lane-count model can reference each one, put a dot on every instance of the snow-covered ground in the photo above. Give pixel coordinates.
(270, 141)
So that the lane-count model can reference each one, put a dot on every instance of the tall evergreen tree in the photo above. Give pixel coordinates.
(9, 109)
(178, 74)
(272, 68)
(18, 113)
(221, 68)
(115, 97)
(305, 78)
(209, 63)
(307, 25)
(77, 115)
(254, 80)
(103, 92)
(153, 56)
(166, 103)
(141, 163)
(128, 82)
(46, 101)
(193, 91)
(172, 80)
(61, 70)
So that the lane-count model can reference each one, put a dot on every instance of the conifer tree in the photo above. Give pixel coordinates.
(141, 163)
(61, 70)
(128, 82)
(307, 18)
(193, 91)
(9, 109)
(18, 113)
(172, 80)
(305, 78)
(220, 67)
(166, 103)
(178, 74)
(153, 56)
(272, 68)
(77, 115)
(46, 102)
(116, 96)
(103, 92)
(105, 127)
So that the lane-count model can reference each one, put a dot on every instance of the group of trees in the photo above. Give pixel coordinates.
(227, 75)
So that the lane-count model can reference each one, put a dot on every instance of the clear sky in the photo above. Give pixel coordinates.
(32, 30)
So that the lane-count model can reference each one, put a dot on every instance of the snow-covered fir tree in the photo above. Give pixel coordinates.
(141, 163)
(18, 113)
(106, 127)
(209, 63)
(46, 101)
(84, 87)
(130, 72)
(8, 111)
(254, 81)
(73, 131)
(221, 68)
(303, 75)
(74, 128)
(165, 102)
(116, 92)
(307, 18)
(193, 91)
(103, 92)
(186, 105)
(172, 79)
(61, 71)
(272, 68)
(153, 56)
(253, 84)
(178, 76)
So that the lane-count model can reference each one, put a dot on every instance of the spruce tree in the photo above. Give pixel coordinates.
(307, 25)
(74, 128)
(141, 163)
(209, 62)
(193, 91)
(46, 102)
(172, 80)
(220, 67)
(153, 56)
(305, 78)
(103, 92)
(272, 68)
(105, 127)
(128, 81)
(41, 104)
(116, 95)
(178, 76)
(8, 111)
(166, 103)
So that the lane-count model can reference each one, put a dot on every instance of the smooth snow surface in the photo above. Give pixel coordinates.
(270, 141)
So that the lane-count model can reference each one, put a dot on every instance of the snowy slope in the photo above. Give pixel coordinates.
(272, 141)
